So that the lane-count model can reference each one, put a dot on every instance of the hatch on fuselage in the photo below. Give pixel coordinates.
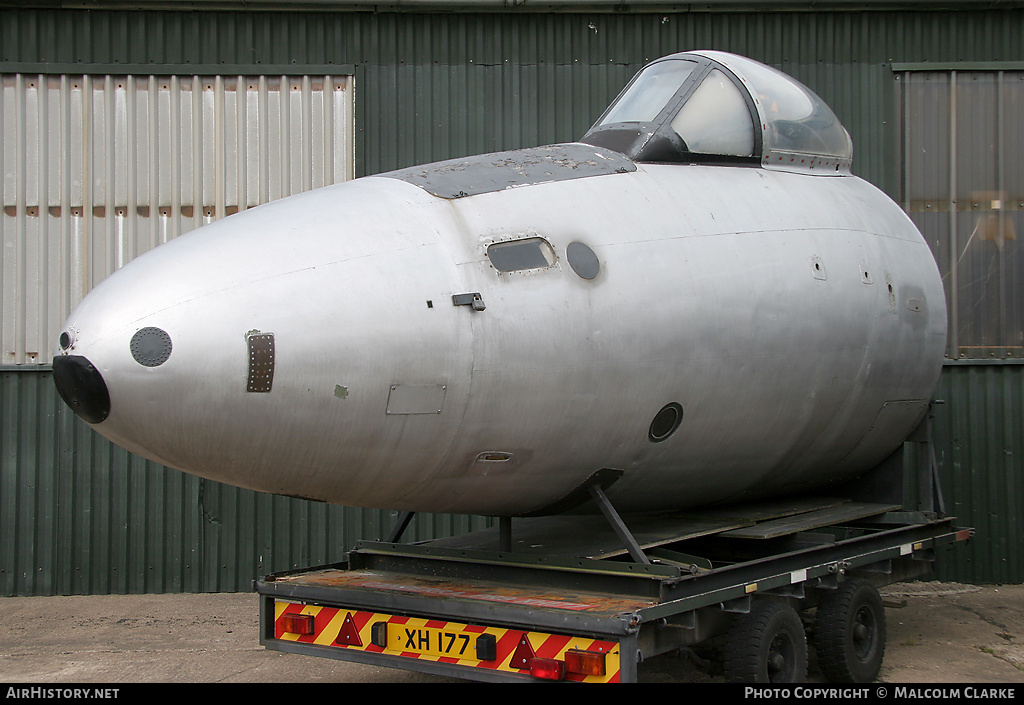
(716, 108)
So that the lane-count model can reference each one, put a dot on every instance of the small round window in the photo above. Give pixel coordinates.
(582, 260)
(665, 422)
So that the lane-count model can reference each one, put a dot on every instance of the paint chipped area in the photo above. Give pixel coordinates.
(487, 173)
(461, 589)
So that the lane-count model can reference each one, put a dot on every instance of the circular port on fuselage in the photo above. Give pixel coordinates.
(151, 347)
(665, 422)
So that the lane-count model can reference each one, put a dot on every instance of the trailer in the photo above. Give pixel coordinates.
(588, 597)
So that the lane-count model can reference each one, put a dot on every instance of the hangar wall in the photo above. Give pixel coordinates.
(79, 515)
(104, 164)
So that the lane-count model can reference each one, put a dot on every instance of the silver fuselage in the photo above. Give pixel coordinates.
(798, 320)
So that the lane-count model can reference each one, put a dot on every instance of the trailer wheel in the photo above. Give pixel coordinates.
(850, 633)
(767, 645)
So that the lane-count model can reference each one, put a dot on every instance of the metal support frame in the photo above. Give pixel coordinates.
(403, 523)
(939, 502)
(504, 533)
(670, 610)
(635, 552)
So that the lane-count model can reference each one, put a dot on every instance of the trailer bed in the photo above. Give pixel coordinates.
(566, 595)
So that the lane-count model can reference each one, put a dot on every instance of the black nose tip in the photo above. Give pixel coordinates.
(81, 386)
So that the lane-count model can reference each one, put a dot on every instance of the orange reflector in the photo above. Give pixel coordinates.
(297, 623)
(587, 663)
(549, 668)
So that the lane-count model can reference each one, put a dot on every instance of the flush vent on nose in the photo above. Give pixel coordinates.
(261, 362)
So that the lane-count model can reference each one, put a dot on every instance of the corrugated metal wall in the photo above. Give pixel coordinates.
(979, 439)
(98, 169)
(79, 515)
(441, 85)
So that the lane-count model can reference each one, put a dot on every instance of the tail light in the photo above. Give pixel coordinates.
(586, 663)
(549, 668)
(297, 624)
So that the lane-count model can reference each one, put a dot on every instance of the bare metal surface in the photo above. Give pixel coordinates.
(737, 293)
(687, 308)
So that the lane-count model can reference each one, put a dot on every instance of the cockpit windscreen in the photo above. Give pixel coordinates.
(710, 107)
(653, 88)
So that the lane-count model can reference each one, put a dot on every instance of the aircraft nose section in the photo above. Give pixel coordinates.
(82, 388)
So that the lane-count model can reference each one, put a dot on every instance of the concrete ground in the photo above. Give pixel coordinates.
(937, 633)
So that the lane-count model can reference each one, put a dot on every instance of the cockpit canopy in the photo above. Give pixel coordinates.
(714, 107)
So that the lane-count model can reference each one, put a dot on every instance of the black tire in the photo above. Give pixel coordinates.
(767, 645)
(849, 633)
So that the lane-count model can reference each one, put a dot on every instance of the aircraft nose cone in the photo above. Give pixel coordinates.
(81, 386)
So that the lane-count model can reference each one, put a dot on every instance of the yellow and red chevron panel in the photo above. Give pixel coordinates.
(540, 654)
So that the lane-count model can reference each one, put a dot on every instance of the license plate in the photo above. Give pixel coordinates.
(452, 640)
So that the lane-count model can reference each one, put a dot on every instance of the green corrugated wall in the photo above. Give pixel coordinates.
(78, 515)
(979, 442)
(433, 86)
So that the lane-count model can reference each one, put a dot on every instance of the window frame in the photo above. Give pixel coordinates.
(951, 218)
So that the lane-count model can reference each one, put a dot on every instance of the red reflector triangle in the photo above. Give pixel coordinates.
(349, 635)
(523, 654)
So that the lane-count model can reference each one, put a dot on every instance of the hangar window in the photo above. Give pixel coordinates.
(517, 255)
(963, 186)
(101, 167)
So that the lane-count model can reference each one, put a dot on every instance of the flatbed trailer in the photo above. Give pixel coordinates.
(584, 598)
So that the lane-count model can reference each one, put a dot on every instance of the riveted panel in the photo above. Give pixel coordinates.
(261, 362)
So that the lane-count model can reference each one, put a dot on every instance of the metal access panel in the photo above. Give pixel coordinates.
(100, 168)
(405, 399)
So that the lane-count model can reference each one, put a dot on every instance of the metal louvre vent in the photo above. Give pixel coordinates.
(261, 362)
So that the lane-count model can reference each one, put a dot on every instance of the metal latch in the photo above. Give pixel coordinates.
(839, 567)
(472, 299)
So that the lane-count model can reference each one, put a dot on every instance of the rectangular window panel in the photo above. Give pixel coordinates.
(964, 188)
(517, 255)
(101, 168)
